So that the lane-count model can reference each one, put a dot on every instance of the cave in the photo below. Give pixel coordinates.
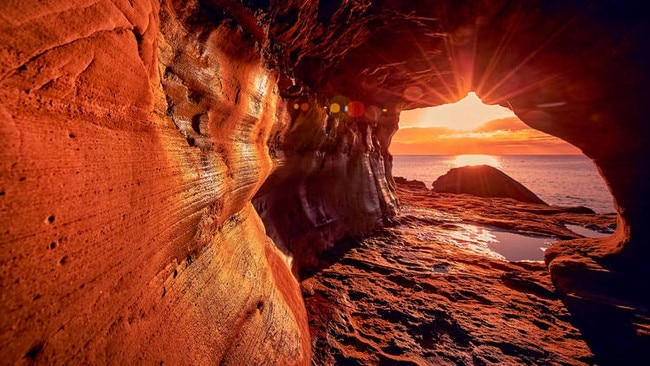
(170, 169)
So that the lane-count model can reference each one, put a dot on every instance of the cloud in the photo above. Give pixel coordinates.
(465, 114)
(476, 135)
(507, 124)
(421, 134)
(506, 136)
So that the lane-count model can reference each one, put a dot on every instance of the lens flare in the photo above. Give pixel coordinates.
(356, 109)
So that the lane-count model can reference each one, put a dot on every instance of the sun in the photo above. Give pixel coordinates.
(466, 114)
(475, 159)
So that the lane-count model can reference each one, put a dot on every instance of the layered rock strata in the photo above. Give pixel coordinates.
(137, 135)
(330, 184)
(134, 137)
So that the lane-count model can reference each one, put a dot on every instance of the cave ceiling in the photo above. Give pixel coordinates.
(426, 53)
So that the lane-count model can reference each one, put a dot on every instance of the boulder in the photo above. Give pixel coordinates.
(484, 181)
(410, 183)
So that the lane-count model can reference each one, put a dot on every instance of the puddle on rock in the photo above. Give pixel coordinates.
(517, 247)
(483, 240)
(586, 232)
(501, 244)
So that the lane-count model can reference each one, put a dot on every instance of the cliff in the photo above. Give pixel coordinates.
(169, 168)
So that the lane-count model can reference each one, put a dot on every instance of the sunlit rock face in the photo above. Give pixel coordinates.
(138, 136)
(133, 138)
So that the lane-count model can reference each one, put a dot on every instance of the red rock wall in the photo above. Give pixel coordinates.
(136, 135)
(133, 137)
(330, 183)
(576, 70)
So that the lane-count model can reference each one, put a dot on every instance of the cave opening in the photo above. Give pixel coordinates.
(432, 140)
(140, 136)
(438, 281)
(566, 97)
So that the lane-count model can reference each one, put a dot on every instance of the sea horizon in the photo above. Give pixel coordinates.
(558, 179)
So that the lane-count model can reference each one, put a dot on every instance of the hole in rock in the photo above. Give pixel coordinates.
(33, 352)
(432, 141)
(196, 123)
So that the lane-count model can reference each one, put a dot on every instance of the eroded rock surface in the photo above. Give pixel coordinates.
(417, 293)
(330, 184)
(134, 136)
(137, 136)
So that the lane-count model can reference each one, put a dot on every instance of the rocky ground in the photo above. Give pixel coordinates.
(428, 291)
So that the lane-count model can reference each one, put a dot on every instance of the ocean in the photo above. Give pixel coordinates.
(560, 180)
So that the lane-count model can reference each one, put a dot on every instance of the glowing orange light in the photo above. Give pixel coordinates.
(304, 107)
(476, 159)
(337, 104)
(466, 114)
(296, 106)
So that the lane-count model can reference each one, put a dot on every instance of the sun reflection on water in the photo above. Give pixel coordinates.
(475, 159)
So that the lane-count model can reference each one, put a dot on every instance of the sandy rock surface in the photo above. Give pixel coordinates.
(420, 293)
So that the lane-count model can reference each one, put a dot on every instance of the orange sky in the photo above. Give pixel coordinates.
(471, 127)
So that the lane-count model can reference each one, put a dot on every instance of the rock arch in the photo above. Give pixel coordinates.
(137, 135)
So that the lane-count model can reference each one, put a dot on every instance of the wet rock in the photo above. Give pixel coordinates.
(414, 294)
(147, 130)
(410, 183)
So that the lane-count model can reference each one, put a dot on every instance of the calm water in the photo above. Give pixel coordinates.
(562, 180)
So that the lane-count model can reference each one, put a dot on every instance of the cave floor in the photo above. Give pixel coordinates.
(422, 292)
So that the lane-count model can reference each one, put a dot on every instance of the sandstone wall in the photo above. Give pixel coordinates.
(138, 138)
(133, 138)
(330, 182)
